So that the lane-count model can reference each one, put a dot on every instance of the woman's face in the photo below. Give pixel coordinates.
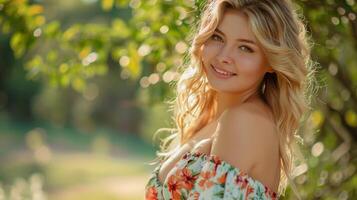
(232, 59)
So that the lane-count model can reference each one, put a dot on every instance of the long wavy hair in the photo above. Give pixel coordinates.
(281, 33)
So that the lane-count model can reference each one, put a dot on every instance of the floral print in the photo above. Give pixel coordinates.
(198, 176)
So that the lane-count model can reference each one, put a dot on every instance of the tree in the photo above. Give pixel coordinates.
(150, 43)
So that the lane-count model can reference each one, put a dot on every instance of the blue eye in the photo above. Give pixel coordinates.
(216, 37)
(247, 48)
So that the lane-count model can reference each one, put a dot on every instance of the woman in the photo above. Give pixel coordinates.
(238, 105)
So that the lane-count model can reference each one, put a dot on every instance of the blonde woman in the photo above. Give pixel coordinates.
(238, 105)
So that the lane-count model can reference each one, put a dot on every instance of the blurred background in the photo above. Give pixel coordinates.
(83, 86)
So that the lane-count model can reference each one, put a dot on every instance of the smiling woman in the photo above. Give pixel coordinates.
(238, 112)
(232, 54)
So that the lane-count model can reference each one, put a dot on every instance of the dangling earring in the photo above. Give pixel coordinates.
(264, 85)
(264, 82)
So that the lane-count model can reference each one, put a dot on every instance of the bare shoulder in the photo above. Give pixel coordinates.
(246, 137)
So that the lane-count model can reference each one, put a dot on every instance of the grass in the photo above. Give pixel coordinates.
(99, 165)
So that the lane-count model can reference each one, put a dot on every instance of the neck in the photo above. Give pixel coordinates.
(229, 100)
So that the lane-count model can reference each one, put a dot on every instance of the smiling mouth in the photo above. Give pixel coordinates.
(223, 73)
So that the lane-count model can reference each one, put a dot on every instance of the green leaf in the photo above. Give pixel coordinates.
(18, 44)
(120, 29)
(71, 32)
(52, 29)
(107, 4)
(134, 66)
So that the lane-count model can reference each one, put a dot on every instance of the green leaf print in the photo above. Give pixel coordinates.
(220, 194)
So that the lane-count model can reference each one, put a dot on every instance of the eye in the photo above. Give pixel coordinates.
(246, 48)
(216, 37)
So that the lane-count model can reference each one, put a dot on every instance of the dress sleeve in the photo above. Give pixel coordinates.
(219, 180)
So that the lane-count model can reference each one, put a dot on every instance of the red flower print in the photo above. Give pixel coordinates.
(205, 183)
(151, 194)
(195, 195)
(238, 180)
(217, 161)
(274, 195)
(184, 156)
(269, 192)
(187, 179)
(222, 179)
(174, 187)
(241, 181)
(249, 190)
(245, 183)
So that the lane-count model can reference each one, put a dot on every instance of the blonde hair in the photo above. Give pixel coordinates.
(282, 35)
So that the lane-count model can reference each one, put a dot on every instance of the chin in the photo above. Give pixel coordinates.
(219, 87)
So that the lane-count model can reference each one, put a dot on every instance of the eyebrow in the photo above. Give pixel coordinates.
(239, 39)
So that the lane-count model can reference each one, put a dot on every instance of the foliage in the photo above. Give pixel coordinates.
(147, 42)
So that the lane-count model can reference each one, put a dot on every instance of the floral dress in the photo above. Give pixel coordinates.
(206, 177)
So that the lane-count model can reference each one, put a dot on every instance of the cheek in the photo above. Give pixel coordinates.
(250, 65)
(209, 51)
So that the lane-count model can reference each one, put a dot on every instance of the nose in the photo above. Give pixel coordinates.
(224, 55)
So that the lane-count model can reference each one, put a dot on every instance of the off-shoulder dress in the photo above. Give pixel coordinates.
(206, 177)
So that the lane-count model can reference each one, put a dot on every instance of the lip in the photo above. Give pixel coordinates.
(221, 76)
(222, 69)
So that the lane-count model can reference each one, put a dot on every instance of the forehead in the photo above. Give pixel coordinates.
(234, 24)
